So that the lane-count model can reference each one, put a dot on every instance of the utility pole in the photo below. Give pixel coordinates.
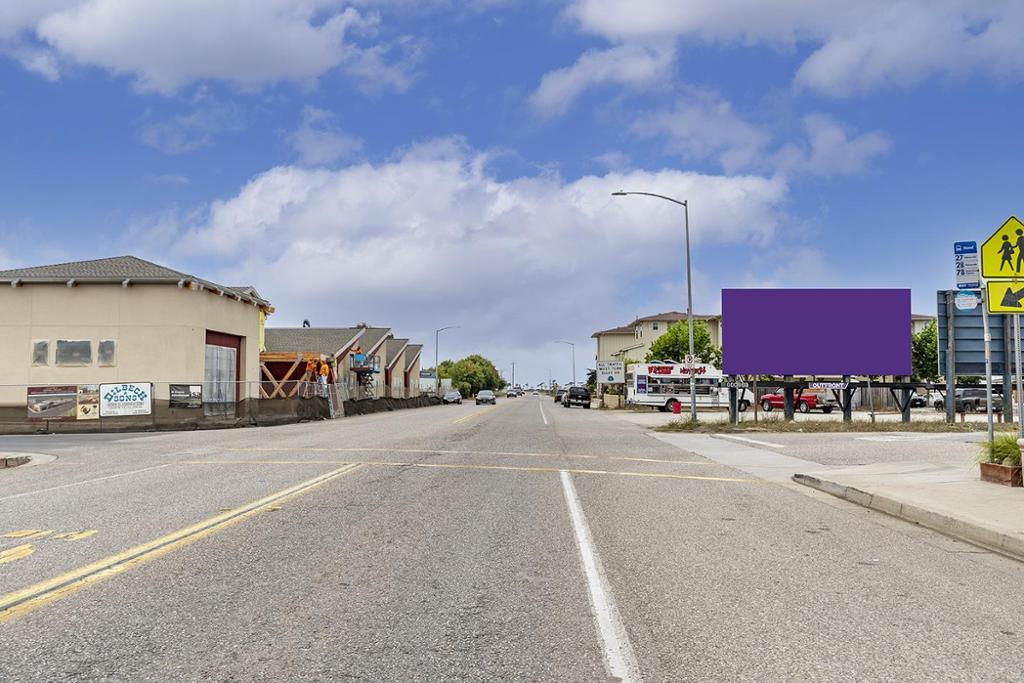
(437, 370)
(689, 289)
(573, 358)
(513, 374)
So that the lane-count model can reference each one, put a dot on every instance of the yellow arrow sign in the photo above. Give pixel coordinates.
(1005, 296)
(1002, 254)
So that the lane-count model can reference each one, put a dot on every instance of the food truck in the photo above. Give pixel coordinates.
(660, 384)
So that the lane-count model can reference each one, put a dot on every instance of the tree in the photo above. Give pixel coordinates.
(924, 347)
(592, 381)
(471, 374)
(675, 344)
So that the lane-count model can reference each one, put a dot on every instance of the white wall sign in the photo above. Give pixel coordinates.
(611, 372)
(125, 399)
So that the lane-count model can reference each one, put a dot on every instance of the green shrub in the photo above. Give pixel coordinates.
(1003, 449)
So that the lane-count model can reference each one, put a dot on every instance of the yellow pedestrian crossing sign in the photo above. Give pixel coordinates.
(1002, 254)
(1005, 296)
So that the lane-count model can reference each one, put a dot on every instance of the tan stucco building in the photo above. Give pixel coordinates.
(125, 319)
(633, 342)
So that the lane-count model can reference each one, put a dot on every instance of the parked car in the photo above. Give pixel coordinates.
(808, 401)
(918, 401)
(452, 397)
(971, 401)
(559, 394)
(536, 393)
(486, 396)
(576, 396)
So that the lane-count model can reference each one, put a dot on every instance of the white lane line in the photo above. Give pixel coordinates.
(753, 441)
(619, 659)
(542, 415)
(87, 481)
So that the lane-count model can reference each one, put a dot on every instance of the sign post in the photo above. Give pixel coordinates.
(1020, 381)
(988, 369)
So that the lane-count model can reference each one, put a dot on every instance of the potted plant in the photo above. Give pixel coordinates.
(1000, 460)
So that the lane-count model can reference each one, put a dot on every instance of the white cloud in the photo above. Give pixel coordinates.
(167, 44)
(318, 141)
(432, 237)
(633, 65)
(857, 46)
(703, 125)
(168, 178)
(831, 149)
(188, 132)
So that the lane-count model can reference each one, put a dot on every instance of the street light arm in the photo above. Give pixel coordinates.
(621, 193)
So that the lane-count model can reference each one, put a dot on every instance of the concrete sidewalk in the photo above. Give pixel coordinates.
(947, 498)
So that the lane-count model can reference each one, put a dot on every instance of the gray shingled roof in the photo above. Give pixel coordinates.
(625, 329)
(372, 336)
(118, 269)
(325, 340)
(392, 349)
(673, 316)
(412, 353)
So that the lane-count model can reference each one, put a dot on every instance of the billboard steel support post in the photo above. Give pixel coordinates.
(988, 364)
(787, 393)
(950, 359)
(734, 415)
(905, 402)
(847, 400)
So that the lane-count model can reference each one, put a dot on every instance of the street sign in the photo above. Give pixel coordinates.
(828, 385)
(968, 268)
(689, 360)
(1005, 296)
(1002, 254)
(611, 372)
(966, 300)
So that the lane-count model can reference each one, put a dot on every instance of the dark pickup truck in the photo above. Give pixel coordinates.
(576, 396)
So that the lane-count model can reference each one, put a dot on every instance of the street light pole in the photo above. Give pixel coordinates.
(437, 371)
(573, 359)
(689, 289)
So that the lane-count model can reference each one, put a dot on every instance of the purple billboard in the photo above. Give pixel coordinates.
(816, 331)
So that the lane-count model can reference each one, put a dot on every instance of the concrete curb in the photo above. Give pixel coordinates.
(937, 521)
(13, 461)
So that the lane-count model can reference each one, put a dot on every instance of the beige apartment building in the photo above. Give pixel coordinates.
(127, 320)
(633, 342)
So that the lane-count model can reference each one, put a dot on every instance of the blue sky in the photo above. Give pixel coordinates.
(418, 164)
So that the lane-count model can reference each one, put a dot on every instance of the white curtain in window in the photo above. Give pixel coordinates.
(219, 379)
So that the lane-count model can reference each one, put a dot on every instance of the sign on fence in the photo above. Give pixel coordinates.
(186, 396)
(839, 386)
(126, 399)
(53, 402)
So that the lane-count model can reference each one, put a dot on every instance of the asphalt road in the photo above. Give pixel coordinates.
(519, 542)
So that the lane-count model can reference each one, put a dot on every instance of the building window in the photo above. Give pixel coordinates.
(71, 353)
(106, 353)
(40, 353)
(655, 325)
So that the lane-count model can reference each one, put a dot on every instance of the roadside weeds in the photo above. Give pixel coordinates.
(778, 425)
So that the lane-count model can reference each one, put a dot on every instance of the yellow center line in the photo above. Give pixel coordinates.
(469, 466)
(477, 413)
(293, 449)
(40, 593)
(28, 534)
(16, 553)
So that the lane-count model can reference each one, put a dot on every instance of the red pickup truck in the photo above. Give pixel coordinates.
(809, 400)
